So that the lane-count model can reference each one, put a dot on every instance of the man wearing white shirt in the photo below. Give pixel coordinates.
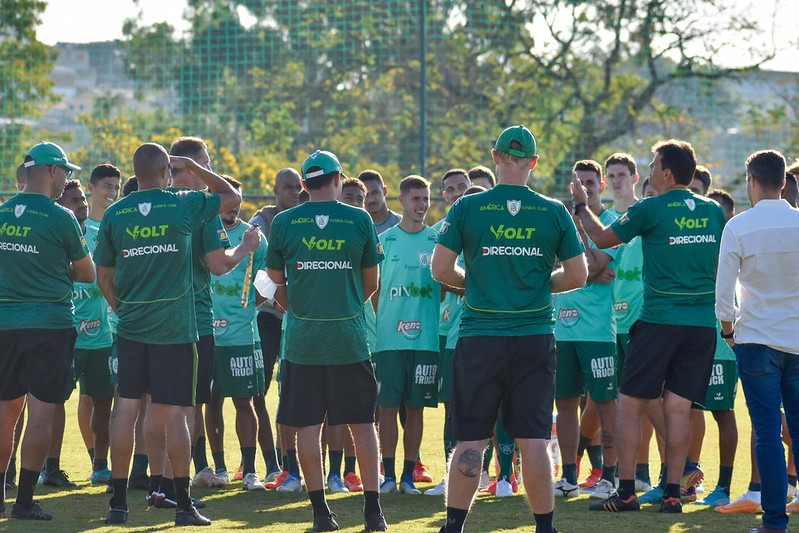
(760, 251)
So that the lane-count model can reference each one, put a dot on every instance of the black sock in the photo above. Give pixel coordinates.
(281, 458)
(155, 483)
(293, 465)
(662, 480)
(335, 462)
(119, 499)
(219, 461)
(271, 460)
(3, 488)
(248, 459)
(349, 465)
(455, 519)
(90, 451)
(198, 455)
(388, 468)
(407, 469)
(488, 454)
(725, 478)
(100, 464)
(319, 503)
(182, 493)
(543, 522)
(753, 487)
(642, 472)
(140, 463)
(672, 491)
(371, 502)
(626, 488)
(52, 465)
(27, 483)
(791, 480)
(168, 488)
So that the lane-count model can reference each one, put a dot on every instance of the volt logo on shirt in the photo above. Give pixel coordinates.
(691, 223)
(14, 231)
(332, 245)
(502, 232)
(147, 232)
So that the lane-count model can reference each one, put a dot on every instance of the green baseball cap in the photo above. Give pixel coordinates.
(524, 145)
(46, 153)
(322, 162)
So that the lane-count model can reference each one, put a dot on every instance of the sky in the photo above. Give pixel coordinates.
(102, 20)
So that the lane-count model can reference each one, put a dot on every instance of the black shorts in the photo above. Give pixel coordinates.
(36, 361)
(516, 374)
(269, 330)
(666, 356)
(347, 394)
(206, 368)
(168, 372)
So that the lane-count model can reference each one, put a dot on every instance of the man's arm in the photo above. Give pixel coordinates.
(105, 280)
(374, 300)
(279, 277)
(572, 275)
(727, 272)
(371, 282)
(82, 270)
(229, 198)
(602, 235)
(445, 269)
(221, 261)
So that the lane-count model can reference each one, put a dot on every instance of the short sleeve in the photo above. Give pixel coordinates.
(373, 251)
(77, 248)
(569, 245)
(449, 234)
(214, 235)
(104, 252)
(274, 252)
(633, 222)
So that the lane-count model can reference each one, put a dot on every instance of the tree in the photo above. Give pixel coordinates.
(25, 88)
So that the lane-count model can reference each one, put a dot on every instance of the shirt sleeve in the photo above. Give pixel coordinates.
(259, 256)
(450, 234)
(77, 248)
(727, 275)
(214, 235)
(274, 253)
(570, 244)
(373, 252)
(633, 222)
(200, 206)
(104, 252)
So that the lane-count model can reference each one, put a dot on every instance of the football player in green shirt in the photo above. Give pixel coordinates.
(324, 255)
(42, 252)
(144, 257)
(406, 356)
(511, 238)
(672, 344)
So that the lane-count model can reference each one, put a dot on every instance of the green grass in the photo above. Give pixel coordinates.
(84, 508)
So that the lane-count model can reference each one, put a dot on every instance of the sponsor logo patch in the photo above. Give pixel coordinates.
(19, 209)
(322, 220)
(144, 208)
(514, 206)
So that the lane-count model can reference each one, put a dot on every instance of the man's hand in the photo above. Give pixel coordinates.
(180, 162)
(579, 194)
(251, 239)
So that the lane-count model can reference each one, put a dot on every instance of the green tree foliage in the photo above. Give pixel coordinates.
(25, 87)
(274, 79)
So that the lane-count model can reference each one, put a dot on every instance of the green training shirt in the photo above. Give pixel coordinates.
(408, 307)
(233, 324)
(146, 237)
(586, 314)
(451, 309)
(323, 248)
(510, 237)
(680, 233)
(91, 309)
(628, 287)
(206, 237)
(38, 241)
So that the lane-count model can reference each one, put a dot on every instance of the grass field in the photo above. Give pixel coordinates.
(231, 509)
